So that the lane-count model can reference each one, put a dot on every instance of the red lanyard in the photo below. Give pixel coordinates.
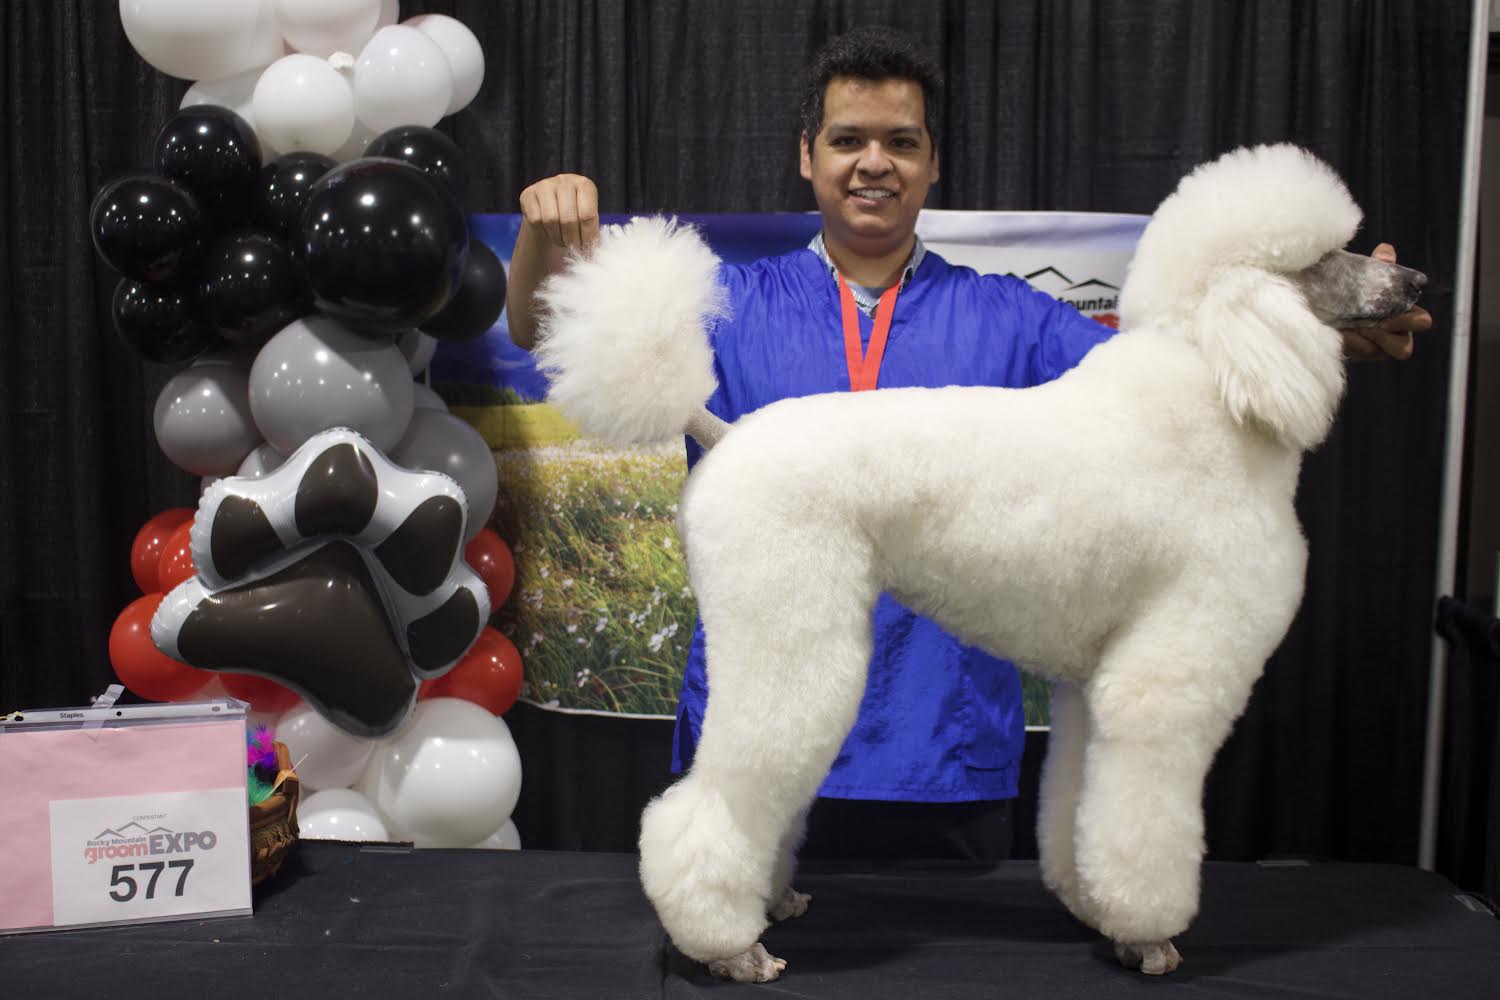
(864, 371)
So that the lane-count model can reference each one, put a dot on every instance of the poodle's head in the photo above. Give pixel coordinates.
(1246, 259)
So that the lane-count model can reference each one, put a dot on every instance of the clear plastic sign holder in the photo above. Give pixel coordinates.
(123, 814)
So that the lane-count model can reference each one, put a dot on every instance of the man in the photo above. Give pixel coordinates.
(931, 766)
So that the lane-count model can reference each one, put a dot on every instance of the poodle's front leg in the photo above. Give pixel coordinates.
(1156, 721)
(1057, 814)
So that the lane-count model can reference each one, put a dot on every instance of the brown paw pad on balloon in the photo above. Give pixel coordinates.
(339, 575)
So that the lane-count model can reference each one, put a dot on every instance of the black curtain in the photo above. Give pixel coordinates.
(1468, 834)
(683, 106)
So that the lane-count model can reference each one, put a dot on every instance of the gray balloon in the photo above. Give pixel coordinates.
(260, 461)
(203, 419)
(418, 348)
(441, 442)
(424, 398)
(316, 374)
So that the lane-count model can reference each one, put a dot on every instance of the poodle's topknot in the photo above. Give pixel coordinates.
(1278, 208)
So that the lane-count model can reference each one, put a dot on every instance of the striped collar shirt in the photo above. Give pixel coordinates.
(867, 298)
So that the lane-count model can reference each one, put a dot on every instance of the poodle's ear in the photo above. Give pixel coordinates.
(1274, 362)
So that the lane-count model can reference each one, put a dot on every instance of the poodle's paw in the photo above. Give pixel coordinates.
(339, 575)
(1154, 958)
(791, 904)
(754, 965)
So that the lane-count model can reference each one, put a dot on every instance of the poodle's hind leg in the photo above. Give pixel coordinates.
(1159, 707)
(787, 902)
(786, 671)
(1057, 813)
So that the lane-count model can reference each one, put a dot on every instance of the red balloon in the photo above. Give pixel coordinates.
(150, 542)
(263, 695)
(490, 557)
(489, 675)
(177, 558)
(141, 667)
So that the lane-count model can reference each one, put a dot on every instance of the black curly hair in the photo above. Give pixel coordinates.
(872, 53)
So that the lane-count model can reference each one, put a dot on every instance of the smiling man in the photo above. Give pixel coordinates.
(932, 763)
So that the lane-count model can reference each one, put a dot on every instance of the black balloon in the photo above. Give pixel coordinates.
(476, 305)
(250, 286)
(282, 190)
(148, 228)
(214, 153)
(383, 247)
(426, 148)
(158, 323)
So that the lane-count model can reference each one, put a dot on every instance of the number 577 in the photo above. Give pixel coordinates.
(127, 885)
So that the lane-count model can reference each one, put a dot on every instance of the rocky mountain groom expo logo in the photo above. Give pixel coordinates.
(137, 840)
(1096, 299)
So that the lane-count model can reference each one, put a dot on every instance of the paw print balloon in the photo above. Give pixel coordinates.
(339, 575)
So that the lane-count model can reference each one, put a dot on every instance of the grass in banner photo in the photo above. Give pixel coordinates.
(601, 611)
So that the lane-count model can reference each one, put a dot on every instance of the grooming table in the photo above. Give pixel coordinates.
(380, 922)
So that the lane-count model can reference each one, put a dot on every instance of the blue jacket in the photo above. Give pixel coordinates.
(940, 721)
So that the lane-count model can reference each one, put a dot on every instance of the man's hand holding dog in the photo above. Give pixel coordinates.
(1391, 339)
(559, 214)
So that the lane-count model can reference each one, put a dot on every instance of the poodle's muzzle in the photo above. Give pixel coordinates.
(1347, 290)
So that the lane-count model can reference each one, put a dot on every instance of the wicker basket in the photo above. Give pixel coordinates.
(273, 822)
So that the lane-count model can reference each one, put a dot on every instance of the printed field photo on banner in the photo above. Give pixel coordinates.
(601, 611)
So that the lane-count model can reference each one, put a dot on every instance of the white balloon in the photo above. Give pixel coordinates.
(301, 103)
(324, 27)
(232, 92)
(324, 755)
(462, 50)
(401, 78)
(390, 13)
(205, 482)
(202, 39)
(441, 442)
(203, 418)
(260, 461)
(339, 814)
(354, 147)
(423, 398)
(507, 838)
(316, 374)
(449, 778)
(418, 348)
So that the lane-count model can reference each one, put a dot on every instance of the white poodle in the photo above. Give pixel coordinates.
(1126, 530)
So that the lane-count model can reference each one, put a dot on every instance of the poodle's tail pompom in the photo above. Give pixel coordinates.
(624, 332)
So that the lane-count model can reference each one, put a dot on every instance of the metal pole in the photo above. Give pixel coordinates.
(1458, 381)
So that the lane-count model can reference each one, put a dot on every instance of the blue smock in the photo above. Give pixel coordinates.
(940, 721)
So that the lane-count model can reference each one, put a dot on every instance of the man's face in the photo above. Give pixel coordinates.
(871, 163)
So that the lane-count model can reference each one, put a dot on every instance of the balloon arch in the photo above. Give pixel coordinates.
(298, 246)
